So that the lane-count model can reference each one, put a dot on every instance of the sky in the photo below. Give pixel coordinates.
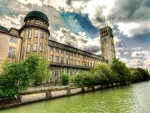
(77, 23)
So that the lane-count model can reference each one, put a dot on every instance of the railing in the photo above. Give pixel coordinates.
(69, 65)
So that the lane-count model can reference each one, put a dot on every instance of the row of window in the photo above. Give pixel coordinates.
(35, 34)
(70, 61)
(65, 70)
(35, 47)
(70, 53)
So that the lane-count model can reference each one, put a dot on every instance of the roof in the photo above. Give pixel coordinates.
(37, 14)
(3, 28)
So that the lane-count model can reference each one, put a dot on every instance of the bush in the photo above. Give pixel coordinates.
(144, 73)
(136, 76)
(88, 79)
(65, 79)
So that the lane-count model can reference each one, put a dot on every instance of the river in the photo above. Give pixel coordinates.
(134, 98)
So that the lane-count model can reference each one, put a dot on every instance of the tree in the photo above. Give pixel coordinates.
(65, 79)
(88, 79)
(120, 70)
(104, 73)
(13, 79)
(144, 73)
(37, 68)
(136, 76)
(78, 79)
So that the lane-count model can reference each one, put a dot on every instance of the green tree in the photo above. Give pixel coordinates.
(13, 80)
(144, 73)
(78, 80)
(136, 76)
(37, 68)
(104, 73)
(88, 79)
(120, 70)
(65, 79)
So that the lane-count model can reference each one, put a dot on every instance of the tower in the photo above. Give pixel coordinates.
(107, 43)
(35, 34)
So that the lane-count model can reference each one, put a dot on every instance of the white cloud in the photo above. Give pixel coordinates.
(80, 41)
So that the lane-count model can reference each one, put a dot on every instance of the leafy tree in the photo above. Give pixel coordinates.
(37, 68)
(136, 76)
(65, 79)
(88, 79)
(13, 80)
(78, 79)
(144, 73)
(104, 73)
(120, 70)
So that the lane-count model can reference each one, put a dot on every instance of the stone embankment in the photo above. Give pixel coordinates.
(49, 94)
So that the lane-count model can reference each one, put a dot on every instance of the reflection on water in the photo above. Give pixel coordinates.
(133, 98)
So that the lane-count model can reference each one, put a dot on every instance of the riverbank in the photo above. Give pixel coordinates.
(47, 95)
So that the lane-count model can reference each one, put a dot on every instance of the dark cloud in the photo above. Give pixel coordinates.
(92, 49)
(130, 11)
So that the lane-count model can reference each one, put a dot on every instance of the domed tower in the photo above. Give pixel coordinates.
(35, 34)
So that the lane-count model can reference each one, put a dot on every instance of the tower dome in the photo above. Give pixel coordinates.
(3, 29)
(37, 14)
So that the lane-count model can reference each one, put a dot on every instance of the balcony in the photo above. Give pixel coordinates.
(70, 65)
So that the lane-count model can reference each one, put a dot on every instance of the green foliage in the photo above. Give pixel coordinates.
(120, 70)
(37, 68)
(104, 72)
(78, 79)
(13, 79)
(136, 76)
(144, 73)
(65, 79)
(88, 79)
(18, 76)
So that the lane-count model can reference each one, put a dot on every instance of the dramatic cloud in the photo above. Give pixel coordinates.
(77, 23)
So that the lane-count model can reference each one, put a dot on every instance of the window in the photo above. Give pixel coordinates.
(35, 46)
(56, 71)
(45, 48)
(75, 54)
(51, 58)
(62, 51)
(79, 62)
(62, 60)
(66, 60)
(41, 46)
(67, 52)
(29, 33)
(35, 33)
(28, 48)
(12, 39)
(41, 34)
(57, 50)
(70, 61)
(79, 55)
(11, 53)
(57, 59)
(53, 43)
(70, 53)
(75, 62)
(51, 49)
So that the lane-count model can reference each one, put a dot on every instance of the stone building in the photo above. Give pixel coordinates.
(33, 38)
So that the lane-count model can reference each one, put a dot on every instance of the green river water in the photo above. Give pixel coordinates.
(134, 98)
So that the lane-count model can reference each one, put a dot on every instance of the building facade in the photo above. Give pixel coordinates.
(33, 38)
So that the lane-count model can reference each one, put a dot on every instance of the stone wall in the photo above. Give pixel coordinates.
(28, 98)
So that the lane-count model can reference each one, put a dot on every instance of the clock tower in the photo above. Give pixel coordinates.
(107, 43)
